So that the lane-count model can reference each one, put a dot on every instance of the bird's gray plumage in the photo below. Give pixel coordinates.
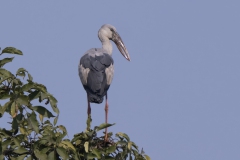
(96, 73)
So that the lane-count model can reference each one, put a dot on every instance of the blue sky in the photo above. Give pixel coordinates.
(178, 98)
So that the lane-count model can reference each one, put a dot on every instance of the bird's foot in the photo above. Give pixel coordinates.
(106, 138)
(89, 120)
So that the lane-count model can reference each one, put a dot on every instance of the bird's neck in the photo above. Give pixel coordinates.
(107, 45)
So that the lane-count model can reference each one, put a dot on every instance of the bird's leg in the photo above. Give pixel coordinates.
(89, 108)
(106, 117)
(89, 119)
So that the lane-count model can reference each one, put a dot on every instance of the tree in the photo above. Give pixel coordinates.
(40, 138)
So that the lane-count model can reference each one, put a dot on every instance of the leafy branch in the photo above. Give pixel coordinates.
(39, 138)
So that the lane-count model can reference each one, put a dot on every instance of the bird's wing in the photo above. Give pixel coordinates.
(96, 72)
(109, 73)
(83, 69)
(97, 61)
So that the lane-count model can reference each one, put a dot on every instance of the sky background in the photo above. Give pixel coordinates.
(178, 98)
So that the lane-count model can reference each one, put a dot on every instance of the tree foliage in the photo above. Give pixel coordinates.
(40, 138)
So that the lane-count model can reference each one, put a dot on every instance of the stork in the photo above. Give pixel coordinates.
(96, 68)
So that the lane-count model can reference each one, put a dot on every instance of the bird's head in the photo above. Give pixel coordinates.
(109, 32)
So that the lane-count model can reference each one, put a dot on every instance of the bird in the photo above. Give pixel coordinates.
(96, 68)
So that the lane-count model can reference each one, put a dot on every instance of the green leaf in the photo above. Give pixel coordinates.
(27, 86)
(5, 96)
(29, 158)
(2, 79)
(32, 121)
(120, 134)
(45, 150)
(16, 142)
(55, 120)
(23, 100)
(103, 125)
(61, 127)
(111, 149)
(5, 73)
(21, 157)
(17, 81)
(90, 156)
(109, 158)
(75, 157)
(13, 109)
(6, 143)
(20, 118)
(21, 72)
(147, 157)
(20, 150)
(14, 124)
(5, 60)
(23, 130)
(136, 153)
(46, 139)
(40, 87)
(40, 155)
(122, 143)
(62, 152)
(97, 153)
(129, 146)
(53, 103)
(86, 144)
(41, 117)
(68, 144)
(34, 95)
(60, 136)
(30, 77)
(7, 106)
(51, 155)
(44, 96)
(6, 133)
(43, 111)
(11, 50)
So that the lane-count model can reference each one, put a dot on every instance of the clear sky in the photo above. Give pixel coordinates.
(178, 98)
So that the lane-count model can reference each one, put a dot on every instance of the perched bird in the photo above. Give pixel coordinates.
(96, 67)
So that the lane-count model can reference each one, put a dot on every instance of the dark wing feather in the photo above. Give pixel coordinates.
(96, 86)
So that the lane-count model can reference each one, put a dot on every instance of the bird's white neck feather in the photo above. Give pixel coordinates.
(104, 34)
(107, 45)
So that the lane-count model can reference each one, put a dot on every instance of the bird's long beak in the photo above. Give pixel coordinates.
(119, 43)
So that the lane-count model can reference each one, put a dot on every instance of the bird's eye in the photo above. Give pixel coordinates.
(111, 29)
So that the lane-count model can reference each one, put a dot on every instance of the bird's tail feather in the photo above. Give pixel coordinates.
(94, 98)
